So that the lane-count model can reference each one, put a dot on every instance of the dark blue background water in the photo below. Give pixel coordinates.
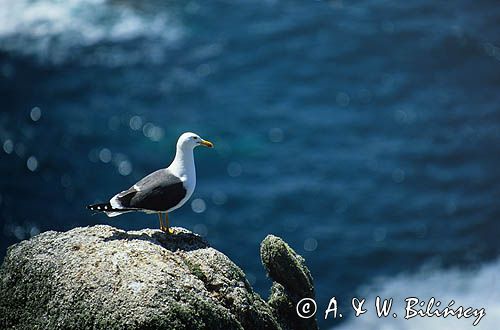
(366, 135)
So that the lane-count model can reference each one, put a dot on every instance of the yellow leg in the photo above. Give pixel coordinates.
(167, 228)
(162, 227)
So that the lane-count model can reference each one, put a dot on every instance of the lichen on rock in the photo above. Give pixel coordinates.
(101, 277)
(292, 282)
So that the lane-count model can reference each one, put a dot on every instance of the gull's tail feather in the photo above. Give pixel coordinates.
(108, 209)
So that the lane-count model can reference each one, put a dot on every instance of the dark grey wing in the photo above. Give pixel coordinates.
(159, 191)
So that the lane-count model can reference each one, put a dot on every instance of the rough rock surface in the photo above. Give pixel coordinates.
(104, 278)
(292, 282)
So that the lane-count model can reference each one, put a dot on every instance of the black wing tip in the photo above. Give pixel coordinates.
(99, 207)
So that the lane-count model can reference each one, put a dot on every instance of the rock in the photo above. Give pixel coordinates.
(292, 282)
(104, 278)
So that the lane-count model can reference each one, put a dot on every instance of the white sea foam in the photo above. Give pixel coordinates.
(477, 289)
(53, 29)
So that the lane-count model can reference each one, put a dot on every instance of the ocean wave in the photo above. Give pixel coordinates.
(468, 288)
(53, 30)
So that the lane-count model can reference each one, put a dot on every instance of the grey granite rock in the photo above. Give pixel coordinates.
(104, 278)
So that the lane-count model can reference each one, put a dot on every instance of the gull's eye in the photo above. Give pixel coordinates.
(195, 138)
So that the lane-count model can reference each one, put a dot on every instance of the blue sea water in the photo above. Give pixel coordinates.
(366, 134)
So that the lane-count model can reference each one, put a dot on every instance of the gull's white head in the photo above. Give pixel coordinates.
(191, 140)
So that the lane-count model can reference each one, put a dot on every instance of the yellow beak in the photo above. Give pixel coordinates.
(207, 143)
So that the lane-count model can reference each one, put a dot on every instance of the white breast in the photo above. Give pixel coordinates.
(184, 168)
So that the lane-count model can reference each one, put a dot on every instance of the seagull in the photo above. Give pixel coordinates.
(162, 191)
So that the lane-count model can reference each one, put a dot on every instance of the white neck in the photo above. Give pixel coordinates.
(183, 163)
